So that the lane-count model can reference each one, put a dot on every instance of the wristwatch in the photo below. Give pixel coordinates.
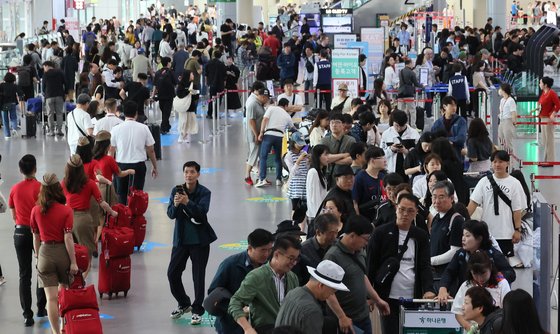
(518, 229)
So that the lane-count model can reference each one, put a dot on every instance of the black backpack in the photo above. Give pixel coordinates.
(24, 76)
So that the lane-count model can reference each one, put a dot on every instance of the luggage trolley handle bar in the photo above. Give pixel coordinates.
(421, 301)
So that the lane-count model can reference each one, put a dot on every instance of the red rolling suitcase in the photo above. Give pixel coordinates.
(75, 299)
(82, 257)
(82, 321)
(138, 201)
(124, 217)
(114, 276)
(117, 242)
(139, 225)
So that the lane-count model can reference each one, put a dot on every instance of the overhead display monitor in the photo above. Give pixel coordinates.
(336, 20)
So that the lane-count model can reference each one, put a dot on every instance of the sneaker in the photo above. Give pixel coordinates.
(50, 134)
(180, 140)
(262, 183)
(176, 314)
(187, 139)
(249, 181)
(60, 134)
(196, 319)
(279, 183)
(2, 280)
(8, 137)
(29, 322)
(41, 313)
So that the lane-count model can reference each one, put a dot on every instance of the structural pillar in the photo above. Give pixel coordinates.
(245, 12)
(497, 10)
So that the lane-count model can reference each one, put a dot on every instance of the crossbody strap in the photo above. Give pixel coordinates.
(498, 193)
(81, 131)
(404, 247)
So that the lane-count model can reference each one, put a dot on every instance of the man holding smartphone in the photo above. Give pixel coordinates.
(188, 205)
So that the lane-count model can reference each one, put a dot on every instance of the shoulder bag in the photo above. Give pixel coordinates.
(90, 138)
(391, 265)
(499, 193)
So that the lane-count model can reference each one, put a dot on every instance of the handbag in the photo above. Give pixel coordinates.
(391, 265)
(183, 104)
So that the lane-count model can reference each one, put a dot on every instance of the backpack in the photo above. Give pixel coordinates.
(24, 76)
(90, 39)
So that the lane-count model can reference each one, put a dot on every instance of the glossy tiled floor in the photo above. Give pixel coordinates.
(236, 209)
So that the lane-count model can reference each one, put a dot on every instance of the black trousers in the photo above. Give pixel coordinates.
(390, 323)
(165, 106)
(177, 264)
(23, 242)
(123, 182)
(325, 98)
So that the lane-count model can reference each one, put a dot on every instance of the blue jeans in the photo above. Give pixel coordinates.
(9, 118)
(364, 325)
(268, 142)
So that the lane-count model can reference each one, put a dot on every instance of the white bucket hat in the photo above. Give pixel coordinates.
(330, 274)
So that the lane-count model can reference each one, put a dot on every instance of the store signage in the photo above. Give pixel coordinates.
(345, 70)
(336, 20)
(375, 37)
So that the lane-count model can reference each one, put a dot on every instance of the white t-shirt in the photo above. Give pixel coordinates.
(83, 120)
(130, 139)
(278, 119)
(191, 28)
(391, 78)
(507, 108)
(315, 193)
(316, 135)
(295, 99)
(403, 283)
(107, 123)
(497, 293)
(500, 226)
(388, 137)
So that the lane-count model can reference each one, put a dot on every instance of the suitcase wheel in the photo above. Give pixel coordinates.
(125, 293)
(101, 295)
(110, 295)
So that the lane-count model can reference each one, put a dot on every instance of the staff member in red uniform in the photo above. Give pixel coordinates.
(93, 172)
(51, 223)
(108, 167)
(23, 197)
(78, 189)
(550, 105)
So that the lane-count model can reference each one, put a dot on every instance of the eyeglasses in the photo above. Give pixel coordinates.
(292, 259)
(440, 197)
(407, 211)
(365, 237)
(337, 122)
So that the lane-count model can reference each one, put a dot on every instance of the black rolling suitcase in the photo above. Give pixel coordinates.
(28, 125)
(155, 129)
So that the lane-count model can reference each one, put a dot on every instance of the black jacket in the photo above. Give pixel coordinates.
(54, 83)
(215, 72)
(165, 83)
(456, 270)
(384, 243)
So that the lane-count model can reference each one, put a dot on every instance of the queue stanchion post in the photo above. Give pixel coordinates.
(226, 109)
(204, 140)
(318, 98)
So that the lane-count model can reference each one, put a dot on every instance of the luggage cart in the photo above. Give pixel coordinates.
(428, 318)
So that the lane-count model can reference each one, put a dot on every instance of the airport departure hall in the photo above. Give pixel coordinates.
(279, 167)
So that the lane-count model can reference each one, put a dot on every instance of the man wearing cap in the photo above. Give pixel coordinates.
(302, 306)
(326, 230)
(79, 122)
(254, 108)
(339, 145)
(232, 272)
(342, 103)
(351, 307)
(265, 288)
(275, 122)
(140, 64)
(342, 191)
(413, 278)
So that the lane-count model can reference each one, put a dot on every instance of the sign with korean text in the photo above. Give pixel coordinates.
(431, 319)
(352, 84)
(337, 20)
(341, 40)
(73, 27)
(345, 64)
(375, 37)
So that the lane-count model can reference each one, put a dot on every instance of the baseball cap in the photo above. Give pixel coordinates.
(297, 138)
